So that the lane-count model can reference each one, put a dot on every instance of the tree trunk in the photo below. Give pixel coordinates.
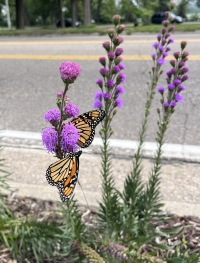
(99, 11)
(53, 12)
(87, 13)
(74, 12)
(62, 19)
(19, 14)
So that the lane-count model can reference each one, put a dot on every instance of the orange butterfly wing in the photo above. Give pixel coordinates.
(86, 124)
(64, 174)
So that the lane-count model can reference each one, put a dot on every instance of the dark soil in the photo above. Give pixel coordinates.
(187, 237)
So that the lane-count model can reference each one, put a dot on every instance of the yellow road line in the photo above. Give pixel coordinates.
(82, 42)
(82, 57)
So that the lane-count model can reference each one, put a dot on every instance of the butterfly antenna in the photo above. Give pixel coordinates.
(84, 195)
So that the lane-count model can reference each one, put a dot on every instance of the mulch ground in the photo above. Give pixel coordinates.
(188, 236)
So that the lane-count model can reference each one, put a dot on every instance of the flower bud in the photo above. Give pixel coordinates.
(111, 33)
(167, 14)
(106, 45)
(111, 56)
(176, 55)
(159, 37)
(183, 44)
(102, 60)
(184, 54)
(184, 78)
(172, 62)
(172, 5)
(116, 19)
(117, 40)
(118, 60)
(59, 94)
(120, 28)
(165, 23)
(181, 64)
(172, 28)
(164, 29)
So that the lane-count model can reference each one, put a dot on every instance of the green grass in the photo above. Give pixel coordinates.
(156, 28)
(100, 30)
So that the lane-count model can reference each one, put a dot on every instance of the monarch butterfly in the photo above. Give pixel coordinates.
(86, 124)
(64, 173)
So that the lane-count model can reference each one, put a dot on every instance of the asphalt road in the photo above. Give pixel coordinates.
(30, 80)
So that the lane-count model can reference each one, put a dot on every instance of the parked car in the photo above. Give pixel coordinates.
(157, 18)
(68, 23)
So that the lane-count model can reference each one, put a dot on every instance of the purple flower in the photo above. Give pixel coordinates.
(102, 60)
(179, 97)
(119, 51)
(118, 103)
(115, 69)
(161, 61)
(163, 30)
(164, 41)
(98, 95)
(71, 110)
(119, 90)
(50, 139)
(172, 62)
(69, 71)
(69, 138)
(153, 56)
(177, 82)
(97, 104)
(171, 86)
(173, 71)
(117, 40)
(104, 71)
(59, 94)
(121, 78)
(167, 35)
(161, 90)
(110, 83)
(181, 88)
(161, 48)
(173, 103)
(111, 56)
(164, 54)
(52, 116)
(121, 66)
(171, 28)
(168, 49)
(155, 45)
(166, 104)
(176, 54)
(106, 96)
(170, 40)
(165, 22)
(106, 45)
(159, 37)
(184, 70)
(169, 73)
(185, 77)
(181, 64)
(100, 83)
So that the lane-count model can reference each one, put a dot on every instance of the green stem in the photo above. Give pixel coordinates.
(59, 151)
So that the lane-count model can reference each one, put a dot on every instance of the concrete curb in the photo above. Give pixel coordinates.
(187, 153)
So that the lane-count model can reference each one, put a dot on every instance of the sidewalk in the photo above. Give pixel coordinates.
(180, 181)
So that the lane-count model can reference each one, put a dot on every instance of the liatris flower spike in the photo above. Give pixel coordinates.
(175, 77)
(111, 71)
